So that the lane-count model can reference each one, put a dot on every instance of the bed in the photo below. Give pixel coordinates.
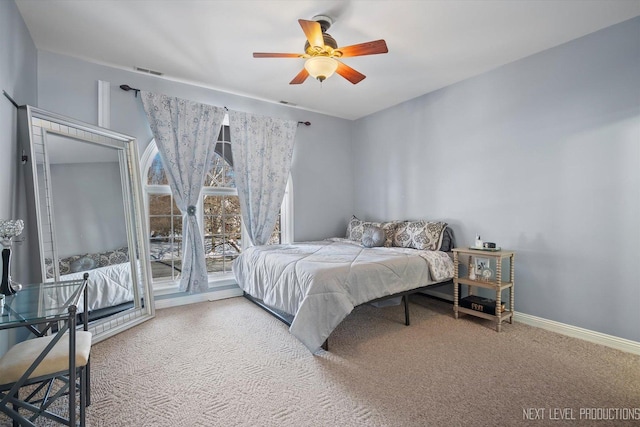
(110, 281)
(317, 284)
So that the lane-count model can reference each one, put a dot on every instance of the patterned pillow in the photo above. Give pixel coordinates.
(118, 256)
(76, 263)
(65, 264)
(48, 267)
(353, 223)
(389, 231)
(98, 260)
(105, 259)
(423, 235)
(356, 228)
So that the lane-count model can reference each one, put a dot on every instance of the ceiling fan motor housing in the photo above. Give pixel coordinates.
(328, 42)
(324, 21)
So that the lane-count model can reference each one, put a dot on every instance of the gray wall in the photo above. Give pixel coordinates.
(321, 170)
(18, 78)
(541, 156)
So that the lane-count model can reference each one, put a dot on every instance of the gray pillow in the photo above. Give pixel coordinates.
(373, 237)
(448, 241)
(82, 264)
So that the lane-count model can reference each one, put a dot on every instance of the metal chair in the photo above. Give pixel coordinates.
(60, 359)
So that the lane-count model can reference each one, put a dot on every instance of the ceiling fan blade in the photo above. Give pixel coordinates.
(300, 78)
(276, 55)
(313, 32)
(349, 73)
(369, 48)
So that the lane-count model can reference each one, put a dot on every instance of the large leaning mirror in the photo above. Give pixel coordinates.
(84, 195)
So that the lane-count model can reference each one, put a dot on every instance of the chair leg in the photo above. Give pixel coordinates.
(88, 378)
(16, 408)
(83, 396)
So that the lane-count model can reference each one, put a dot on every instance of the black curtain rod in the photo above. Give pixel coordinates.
(15, 104)
(128, 88)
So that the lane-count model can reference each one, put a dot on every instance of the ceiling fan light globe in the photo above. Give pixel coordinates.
(321, 67)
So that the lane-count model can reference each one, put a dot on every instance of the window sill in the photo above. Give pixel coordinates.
(168, 287)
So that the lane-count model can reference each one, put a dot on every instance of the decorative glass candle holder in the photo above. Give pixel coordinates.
(8, 230)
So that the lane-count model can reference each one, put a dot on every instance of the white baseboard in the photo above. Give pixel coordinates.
(190, 299)
(576, 332)
(621, 344)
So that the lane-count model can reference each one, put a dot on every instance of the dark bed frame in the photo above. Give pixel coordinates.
(288, 319)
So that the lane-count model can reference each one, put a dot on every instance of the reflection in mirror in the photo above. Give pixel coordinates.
(100, 224)
(165, 242)
(87, 199)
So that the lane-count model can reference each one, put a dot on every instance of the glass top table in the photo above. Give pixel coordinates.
(35, 304)
(36, 307)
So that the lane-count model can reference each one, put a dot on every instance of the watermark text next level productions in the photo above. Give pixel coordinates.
(596, 414)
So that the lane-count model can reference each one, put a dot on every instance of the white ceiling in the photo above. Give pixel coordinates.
(431, 44)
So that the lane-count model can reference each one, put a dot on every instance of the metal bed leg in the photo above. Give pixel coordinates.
(406, 310)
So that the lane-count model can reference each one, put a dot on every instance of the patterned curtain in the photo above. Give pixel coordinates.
(186, 133)
(262, 148)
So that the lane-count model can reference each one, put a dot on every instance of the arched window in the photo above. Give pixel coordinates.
(218, 215)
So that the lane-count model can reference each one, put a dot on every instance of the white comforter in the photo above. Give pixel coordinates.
(107, 286)
(319, 283)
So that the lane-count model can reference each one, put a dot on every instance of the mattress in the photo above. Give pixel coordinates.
(319, 283)
(107, 286)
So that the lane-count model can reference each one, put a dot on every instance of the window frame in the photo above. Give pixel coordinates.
(169, 285)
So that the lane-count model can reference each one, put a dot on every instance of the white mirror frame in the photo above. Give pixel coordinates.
(34, 126)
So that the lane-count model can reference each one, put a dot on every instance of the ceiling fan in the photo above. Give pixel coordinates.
(322, 53)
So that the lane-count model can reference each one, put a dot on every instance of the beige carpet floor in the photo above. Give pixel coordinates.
(229, 363)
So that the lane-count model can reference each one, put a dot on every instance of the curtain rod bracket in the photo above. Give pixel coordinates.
(128, 88)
